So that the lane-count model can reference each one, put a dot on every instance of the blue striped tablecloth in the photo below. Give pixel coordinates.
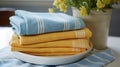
(96, 59)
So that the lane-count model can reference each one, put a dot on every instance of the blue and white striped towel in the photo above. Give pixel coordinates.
(98, 59)
(30, 23)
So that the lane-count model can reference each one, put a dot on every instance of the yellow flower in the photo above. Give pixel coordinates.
(100, 4)
(56, 3)
(85, 5)
(107, 1)
(63, 7)
(51, 10)
(61, 1)
(83, 11)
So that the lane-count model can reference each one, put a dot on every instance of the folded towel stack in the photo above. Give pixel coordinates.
(48, 34)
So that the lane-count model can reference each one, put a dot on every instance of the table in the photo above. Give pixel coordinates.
(113, 43)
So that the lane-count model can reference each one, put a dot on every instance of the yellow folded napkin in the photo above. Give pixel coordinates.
(82, 33)
(76, 43)
(48, 50)
(53, 54)
(55, 48)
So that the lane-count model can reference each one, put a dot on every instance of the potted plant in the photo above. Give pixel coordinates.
(85, 6)
(95, 13)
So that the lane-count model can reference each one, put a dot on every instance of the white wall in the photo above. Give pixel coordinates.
(31, 5)
(26, 2)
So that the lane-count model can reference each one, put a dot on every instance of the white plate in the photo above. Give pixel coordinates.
(52, 60)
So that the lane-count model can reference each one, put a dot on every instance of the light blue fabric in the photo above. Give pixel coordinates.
(30, 23)
(98, 59)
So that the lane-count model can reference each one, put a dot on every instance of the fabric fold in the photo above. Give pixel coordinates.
(55, 48)
(50, 50)
(54, 53)
(77, 43)
(38, 23)
(81, 34)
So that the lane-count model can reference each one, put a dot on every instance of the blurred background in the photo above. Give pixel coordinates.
(7, 8)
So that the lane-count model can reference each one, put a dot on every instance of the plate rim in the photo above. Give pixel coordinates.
(51, 60)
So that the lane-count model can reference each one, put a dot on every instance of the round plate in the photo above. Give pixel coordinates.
(52, 60)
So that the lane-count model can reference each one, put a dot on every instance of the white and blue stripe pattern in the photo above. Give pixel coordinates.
(77, 23)
(38, 23)
(98, 59)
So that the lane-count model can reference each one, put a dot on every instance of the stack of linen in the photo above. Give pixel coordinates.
(48, 34)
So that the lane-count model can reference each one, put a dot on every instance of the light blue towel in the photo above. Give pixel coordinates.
(30, 23)
(98, 59)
